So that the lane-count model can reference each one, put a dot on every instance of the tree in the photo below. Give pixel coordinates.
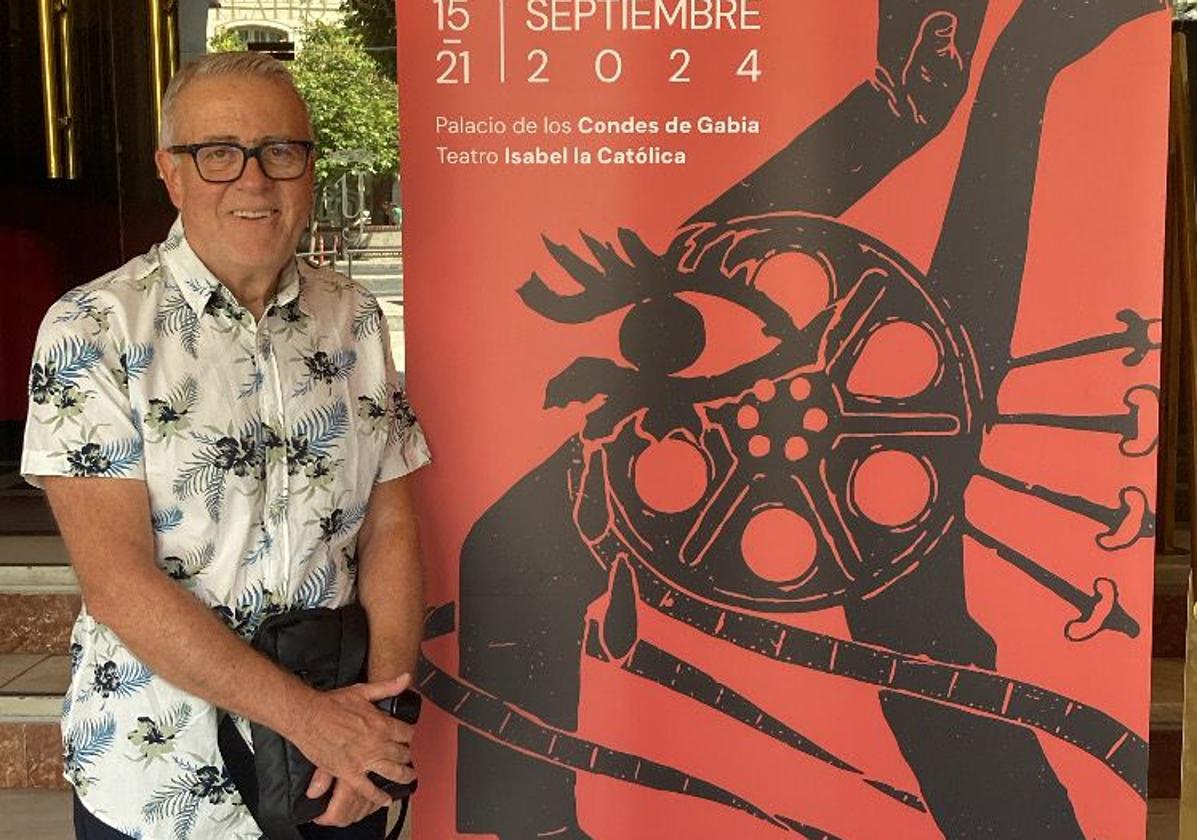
(374, 22)
(353, 106)
(226, 40)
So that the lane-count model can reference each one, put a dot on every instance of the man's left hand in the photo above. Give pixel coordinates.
(346, 806)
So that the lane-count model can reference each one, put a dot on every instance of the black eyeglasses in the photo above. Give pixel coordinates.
(221, 162)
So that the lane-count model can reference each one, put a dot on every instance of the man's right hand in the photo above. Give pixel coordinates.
(344, 734)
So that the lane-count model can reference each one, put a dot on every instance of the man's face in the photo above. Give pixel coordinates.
(246, 228)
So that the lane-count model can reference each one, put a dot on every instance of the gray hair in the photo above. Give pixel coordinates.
(255, 64)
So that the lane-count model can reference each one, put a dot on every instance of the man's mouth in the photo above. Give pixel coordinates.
(254, 214)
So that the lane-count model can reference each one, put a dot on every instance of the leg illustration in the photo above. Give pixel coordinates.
(962, 761)
(924, 51)
(977, 269)
(978, 263)
(526, 580)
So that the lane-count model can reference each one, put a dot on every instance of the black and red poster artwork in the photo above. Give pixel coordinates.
(790, 369)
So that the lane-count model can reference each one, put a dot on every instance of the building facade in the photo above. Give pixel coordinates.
(270, 21)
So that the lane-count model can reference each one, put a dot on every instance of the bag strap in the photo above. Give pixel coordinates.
(240, 763)
(239, 760)
(355, 635)
(395, 832)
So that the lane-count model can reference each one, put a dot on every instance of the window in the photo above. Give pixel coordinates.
(259, 34)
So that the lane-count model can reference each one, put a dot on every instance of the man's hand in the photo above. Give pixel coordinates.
(903, 24)
(926, 84)
(347, 737)
(345, 808)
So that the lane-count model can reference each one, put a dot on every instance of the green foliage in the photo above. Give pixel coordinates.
(374, 22)
(226, 40)
(353, 106)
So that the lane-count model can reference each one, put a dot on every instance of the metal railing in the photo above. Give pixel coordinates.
(331, 249)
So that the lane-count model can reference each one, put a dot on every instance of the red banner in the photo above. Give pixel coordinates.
(791, 372)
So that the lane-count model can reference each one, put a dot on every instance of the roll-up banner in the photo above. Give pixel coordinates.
(790, 369)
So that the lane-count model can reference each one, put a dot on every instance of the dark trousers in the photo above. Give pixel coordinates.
(373, 827)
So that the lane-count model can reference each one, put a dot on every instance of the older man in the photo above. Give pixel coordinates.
(222, 437)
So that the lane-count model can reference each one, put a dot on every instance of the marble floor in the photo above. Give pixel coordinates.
(35, 815)
(34, 674)
(46, 815)
(1163, 819)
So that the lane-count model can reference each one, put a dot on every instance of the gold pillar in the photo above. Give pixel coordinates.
(58, 95)
(164, 52)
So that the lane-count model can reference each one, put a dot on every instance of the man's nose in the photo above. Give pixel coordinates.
(253, 177)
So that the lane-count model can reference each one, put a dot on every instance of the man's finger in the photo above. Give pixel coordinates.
(393, 752)
(400, 732)
(321, 781)
(396, 771)
(397, 753)
(334, 814)
(366, 789)
(346, 808)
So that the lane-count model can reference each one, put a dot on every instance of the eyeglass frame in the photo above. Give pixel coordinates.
(247, 152)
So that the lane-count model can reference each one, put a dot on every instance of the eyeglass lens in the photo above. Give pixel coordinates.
(278, 160)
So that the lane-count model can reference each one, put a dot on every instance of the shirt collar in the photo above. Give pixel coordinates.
(198, 283)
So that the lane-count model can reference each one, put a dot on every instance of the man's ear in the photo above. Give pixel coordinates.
(172, 177)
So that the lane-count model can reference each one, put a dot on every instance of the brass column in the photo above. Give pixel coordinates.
(164, 52)
(58, 96)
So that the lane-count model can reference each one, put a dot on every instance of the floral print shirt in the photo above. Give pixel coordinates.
(259, 443)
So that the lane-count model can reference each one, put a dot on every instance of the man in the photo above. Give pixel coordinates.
(221, 434)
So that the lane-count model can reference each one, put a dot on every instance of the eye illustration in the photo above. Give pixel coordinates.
(691, 333)
(788, 395)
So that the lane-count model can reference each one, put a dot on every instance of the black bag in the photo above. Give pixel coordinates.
(326, 648)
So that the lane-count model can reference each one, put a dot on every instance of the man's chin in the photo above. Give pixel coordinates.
(265, 248)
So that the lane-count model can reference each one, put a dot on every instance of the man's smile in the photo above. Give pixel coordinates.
(253, 215)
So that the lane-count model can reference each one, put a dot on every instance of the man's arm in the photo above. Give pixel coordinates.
(106, 526)
(390, 581)
(390, 587)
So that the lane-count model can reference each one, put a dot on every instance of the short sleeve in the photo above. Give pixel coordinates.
(80, 420)
(406, 450)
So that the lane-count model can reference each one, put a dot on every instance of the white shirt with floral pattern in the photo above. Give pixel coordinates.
(259, 443)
